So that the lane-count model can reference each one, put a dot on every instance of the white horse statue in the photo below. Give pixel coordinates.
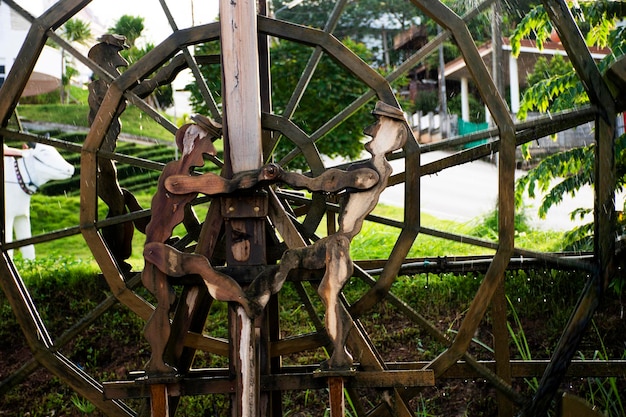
(22, 178)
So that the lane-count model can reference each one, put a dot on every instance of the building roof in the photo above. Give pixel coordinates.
(529, 53)
(411, 39)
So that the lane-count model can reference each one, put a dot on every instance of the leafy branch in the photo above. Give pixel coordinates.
(557, 86)
(566, 173)
(554, 86)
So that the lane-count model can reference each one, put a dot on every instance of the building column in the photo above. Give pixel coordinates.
(514, 84)
(465, 110)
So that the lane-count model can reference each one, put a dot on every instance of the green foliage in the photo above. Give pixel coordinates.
(83, 405)
(535, 24)
(617, 40)
(129, 26)
(434, 293)
(51, 97)
(521, 342)
(477, 108)
(596, 19)
(559, 87)
(331, 89)
(552, 94)
(565, 173)
(536, 295)
(556, 87)
(370, 21)
(74, 30)
(70, 72)
(212, 76)
(426, 101)
(132, 27)
(575, 166)
(52, 273)
(77, 30)
(422, 408)
(553, 86)
(488, 226)
(604, 393)
(134, 53)
(544, 68)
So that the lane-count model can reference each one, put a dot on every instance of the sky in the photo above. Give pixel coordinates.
(104, 13)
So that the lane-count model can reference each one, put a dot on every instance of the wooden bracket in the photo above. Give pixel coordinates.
(244, 206)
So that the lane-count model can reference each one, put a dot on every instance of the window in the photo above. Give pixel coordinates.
(1, 75)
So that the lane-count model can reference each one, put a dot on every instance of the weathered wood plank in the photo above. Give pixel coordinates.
(336, 398)
(159, 399)
(240, 66)
(501, 348)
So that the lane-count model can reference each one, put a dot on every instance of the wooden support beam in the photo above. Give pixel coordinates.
(501, 348)
(604, 205)
(337, 400)
(244, 364)
(243, 147)
(573, 406)
(242, 103)
(159, 400)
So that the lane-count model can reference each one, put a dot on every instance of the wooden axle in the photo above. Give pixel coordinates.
(331, 181)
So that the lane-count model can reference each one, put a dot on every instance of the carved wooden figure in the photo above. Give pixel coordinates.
(168, 210)
(363, 184)
(389, 133)
(106, 53)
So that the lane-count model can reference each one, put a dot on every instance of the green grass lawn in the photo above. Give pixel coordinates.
(47, 108)
(374, 242)
(65, 266)
(134, 121)
(49, 213)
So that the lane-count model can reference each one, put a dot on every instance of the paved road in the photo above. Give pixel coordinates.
(464, 193)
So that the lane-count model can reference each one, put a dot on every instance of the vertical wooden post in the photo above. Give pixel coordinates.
(244, 364)
(242, 102)
(243, 146)
(501, 348)
(335, 393)
(159, 405)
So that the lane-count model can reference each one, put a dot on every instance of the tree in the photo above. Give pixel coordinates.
(330, 91)
(74, 30)
(132, 28)
(556, 87)
(372, 22)
(129, 26)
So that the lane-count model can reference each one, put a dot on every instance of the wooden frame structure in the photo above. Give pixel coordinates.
(256, 135)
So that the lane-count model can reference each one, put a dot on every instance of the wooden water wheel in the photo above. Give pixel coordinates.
(267, 221)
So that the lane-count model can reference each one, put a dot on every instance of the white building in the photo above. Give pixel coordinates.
(13, 30)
